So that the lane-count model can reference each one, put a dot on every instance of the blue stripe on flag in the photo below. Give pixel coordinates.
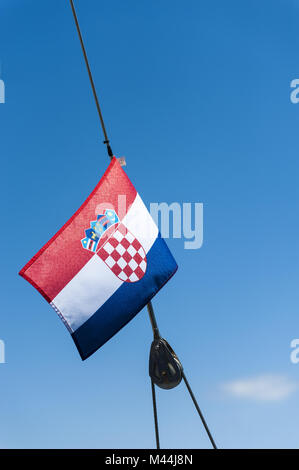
(126, 302)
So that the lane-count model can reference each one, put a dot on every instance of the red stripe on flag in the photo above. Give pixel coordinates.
(63, 256)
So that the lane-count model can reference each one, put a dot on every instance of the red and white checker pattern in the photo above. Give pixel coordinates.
(124, 255)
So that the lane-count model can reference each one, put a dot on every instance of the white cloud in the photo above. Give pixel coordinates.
(265, 387)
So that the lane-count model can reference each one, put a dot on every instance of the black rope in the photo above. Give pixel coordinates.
(199, 411)
(153, 320)
(106, 141)
(155, 415)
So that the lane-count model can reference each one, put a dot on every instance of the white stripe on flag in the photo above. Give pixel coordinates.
(86, 292)
(139, 221)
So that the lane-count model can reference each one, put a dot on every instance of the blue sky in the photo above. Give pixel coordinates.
(196, 95)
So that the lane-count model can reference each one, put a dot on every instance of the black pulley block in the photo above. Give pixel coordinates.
(165, 368)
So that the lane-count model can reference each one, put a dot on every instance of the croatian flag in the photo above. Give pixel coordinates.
(104, 265)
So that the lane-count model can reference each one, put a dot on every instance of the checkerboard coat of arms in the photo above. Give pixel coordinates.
(116, 246)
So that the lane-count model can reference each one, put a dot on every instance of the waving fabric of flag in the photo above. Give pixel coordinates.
(104, 265)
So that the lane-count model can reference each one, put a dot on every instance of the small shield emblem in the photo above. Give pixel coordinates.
(124, 255)
(116, 246)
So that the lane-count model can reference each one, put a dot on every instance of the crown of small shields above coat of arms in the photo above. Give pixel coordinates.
(116, 246)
